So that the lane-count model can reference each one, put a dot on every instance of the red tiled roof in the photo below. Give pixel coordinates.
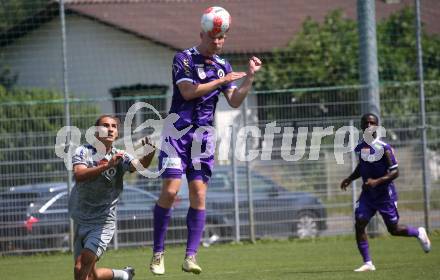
(257, 25)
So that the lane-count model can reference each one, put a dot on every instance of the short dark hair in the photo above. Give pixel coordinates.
(365, 117)
(98, 121)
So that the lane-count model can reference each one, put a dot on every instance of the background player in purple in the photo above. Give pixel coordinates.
(378, 168)
(199, 76)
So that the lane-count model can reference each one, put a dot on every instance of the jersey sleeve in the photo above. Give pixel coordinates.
(182, 70)
(357, 152)
(390, 157)
(231, 85)
(79, 157)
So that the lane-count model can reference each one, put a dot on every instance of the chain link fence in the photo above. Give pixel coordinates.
(309, 84)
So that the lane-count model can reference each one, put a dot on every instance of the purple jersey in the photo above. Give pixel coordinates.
(372, 167)
(191, 66)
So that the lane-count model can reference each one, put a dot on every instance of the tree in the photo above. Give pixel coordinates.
(7, 78)
(320, 55)
(13, 12)
(29, 121)
(326, 54)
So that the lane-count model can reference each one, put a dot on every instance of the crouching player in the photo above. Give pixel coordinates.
(92, 203)
(378, 194)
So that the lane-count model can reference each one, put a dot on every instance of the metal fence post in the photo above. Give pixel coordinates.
(369, 74)
(235, 185)
(115, 235)
(423, 127)
(353, 167)
(66, 109)
(248, 181)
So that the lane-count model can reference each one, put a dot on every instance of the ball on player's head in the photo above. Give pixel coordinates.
(215, 21)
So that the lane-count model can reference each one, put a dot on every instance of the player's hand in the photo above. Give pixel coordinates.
(148, 146)
(147, 142)
(115, 160)
(345, 183)
(254, 65)
(233, 76)
(371, 183)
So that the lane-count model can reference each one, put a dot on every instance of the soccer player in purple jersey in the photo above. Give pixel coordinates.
(378, 193)
(199, 76)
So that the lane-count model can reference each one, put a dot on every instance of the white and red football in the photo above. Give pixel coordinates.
(216, 21)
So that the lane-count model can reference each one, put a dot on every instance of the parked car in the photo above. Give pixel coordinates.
(35, 217)
(277, 211)
(15, 224)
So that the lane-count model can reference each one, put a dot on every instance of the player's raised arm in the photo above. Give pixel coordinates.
(147, 158)
(235, 96)
(191, 91)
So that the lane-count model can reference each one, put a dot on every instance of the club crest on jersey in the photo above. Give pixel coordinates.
(110, 173)
(220, 73)
(201, 73)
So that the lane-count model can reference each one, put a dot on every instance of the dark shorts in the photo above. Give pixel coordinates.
(96, 238)
(197, 165)
(366, 209)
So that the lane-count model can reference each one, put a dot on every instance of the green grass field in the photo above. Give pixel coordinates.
(323, 258)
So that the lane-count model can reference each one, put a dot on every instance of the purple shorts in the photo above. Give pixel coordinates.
(365, 210)
(196, 163)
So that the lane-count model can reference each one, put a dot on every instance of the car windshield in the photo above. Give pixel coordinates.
(58, 202)
(16, 202)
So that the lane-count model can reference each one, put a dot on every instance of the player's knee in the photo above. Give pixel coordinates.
(198, 194)
(82, 268)
(169, 195)
(85, 261)
(197, 198)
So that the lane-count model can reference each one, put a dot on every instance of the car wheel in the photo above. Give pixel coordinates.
(306, 225)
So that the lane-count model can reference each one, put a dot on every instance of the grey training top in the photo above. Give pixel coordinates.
(94, 201)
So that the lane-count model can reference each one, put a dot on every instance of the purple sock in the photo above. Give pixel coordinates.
(413, 232)
(363, 249)
(195, 221)
(161, 219)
